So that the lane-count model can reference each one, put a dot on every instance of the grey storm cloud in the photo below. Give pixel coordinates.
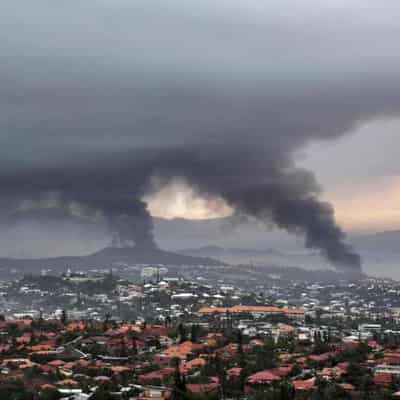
(98, 99)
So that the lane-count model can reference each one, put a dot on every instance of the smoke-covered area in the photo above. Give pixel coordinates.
(97, 101)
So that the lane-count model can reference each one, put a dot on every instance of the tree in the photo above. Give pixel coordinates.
(179, 386)
(102, 394)
(122, 351)
(285, 391)
(49, 394)
(241, 355)
(266, 357)
(64, 317)
(194, 334)
(106, 321)
(221, 373)
(167, 321)
(320, 384)
(329, 390)
(320, 346)
(33, 339)
(133, 350)
(182, 333)
(358, 376)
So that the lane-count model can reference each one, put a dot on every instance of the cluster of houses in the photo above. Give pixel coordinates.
(220, 339)
(77, 359)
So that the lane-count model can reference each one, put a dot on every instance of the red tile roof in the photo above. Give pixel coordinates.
(263, 377)
(233, 372)
(160, 374)
(260, 309)
(56, 363)
(382, 379)
(284, 370)
(347, 386)
(202, 388)
(304, 385)
(321, 357)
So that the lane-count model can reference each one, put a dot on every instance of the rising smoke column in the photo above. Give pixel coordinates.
(284, 196)
(134, 227)
(110, 195)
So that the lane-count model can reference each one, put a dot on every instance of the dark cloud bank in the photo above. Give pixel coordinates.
(101, 104)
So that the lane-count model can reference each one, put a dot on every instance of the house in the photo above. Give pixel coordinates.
(283, 370)
(202, 387)
(233, 373)
(295, 313)
(382, 379)
(263, 377)
(156, 375)
(305, 385)
(321, 357)
(193, 364)
(348, 387)
(180, 351)
(155, 393)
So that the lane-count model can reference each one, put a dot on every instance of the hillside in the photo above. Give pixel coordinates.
(106, 258)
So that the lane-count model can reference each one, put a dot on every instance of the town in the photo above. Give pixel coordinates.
(159, 332)
(199, 200)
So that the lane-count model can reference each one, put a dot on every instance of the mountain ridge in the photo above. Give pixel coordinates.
(106, 257)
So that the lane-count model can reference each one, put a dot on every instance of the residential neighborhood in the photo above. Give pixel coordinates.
(194, 338)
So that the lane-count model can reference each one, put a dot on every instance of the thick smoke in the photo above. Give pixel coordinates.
(125, 215)
(223, 95)
(252, 167)
(133, 228)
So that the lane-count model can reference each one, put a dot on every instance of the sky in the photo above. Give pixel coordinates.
(365, 189)
(283, 111)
